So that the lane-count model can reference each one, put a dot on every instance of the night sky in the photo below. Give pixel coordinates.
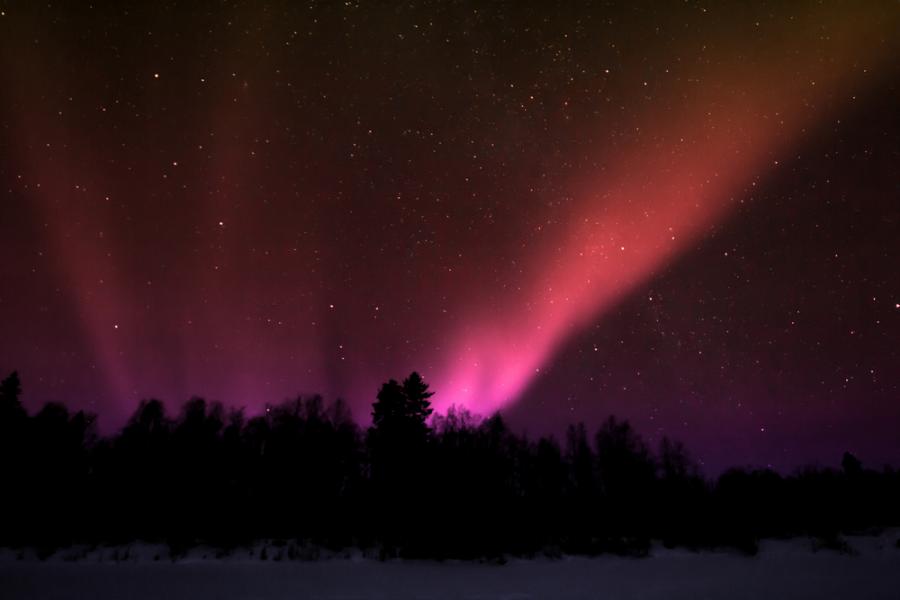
(683, 213)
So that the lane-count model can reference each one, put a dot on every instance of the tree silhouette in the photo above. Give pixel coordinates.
(416, 484)
(398, 444)
(13, 459)
(417, 395)
(851, 465)
(403, 409)
(10, 405)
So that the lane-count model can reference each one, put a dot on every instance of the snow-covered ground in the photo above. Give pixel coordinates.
(783, 569)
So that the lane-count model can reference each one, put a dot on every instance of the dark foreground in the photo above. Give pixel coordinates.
(782, 570)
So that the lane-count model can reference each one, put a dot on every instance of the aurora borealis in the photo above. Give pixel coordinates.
(684, 214)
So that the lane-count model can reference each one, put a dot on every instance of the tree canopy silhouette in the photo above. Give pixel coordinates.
(414, 483)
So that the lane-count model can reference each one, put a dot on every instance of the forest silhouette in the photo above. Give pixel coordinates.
(413, 484)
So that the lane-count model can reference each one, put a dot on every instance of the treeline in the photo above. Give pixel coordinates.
(412, 484)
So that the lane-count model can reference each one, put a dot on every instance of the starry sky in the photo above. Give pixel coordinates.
(684, 213)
